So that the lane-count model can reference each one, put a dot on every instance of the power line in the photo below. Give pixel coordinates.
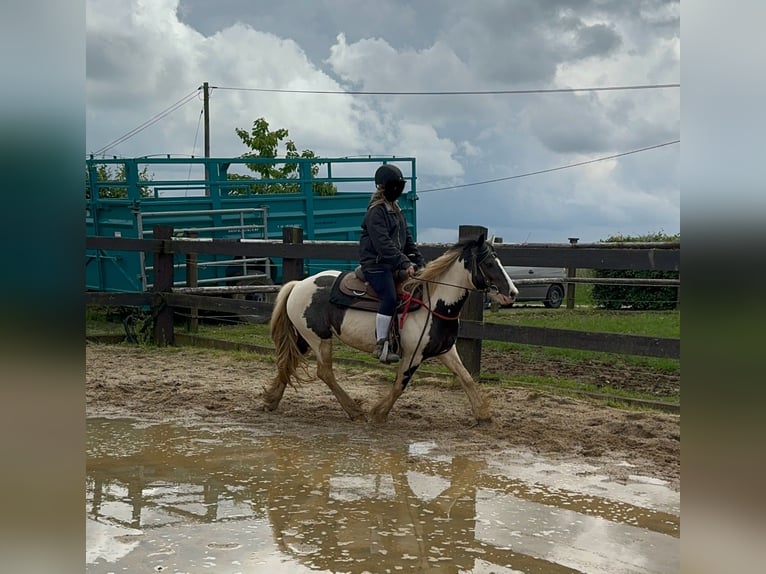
(194, 145)
(151, 121)
(453, 93)
(550, 169)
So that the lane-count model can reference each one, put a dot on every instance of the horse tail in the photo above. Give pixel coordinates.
(289, 345)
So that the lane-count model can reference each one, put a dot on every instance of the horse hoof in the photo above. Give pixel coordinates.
(358, 417)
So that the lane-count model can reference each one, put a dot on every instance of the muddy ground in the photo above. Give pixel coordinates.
(195, 383)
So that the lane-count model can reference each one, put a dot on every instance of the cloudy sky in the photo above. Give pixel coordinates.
(144, 56)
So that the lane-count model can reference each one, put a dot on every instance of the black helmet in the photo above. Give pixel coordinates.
(391, 179)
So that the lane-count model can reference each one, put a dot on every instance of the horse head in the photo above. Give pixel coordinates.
(487, 272)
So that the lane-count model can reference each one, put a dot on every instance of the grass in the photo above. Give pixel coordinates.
(646, 323)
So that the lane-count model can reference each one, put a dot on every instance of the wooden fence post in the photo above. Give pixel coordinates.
(192, 275)
(292, 269)
(163, 283)
(473, 310)
(571, 272)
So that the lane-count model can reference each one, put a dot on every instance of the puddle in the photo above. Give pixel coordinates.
(170, 498)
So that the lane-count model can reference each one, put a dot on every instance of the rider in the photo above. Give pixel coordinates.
(385, 248)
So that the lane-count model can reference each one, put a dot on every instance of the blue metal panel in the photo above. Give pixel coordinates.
(149, 202)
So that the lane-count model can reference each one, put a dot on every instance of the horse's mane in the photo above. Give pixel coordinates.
(435, 269)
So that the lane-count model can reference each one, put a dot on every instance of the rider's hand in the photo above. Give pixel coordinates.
(411, 271)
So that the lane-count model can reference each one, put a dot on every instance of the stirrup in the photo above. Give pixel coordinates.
(383, 354)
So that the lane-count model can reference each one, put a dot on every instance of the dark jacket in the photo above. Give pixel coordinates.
(386, 239)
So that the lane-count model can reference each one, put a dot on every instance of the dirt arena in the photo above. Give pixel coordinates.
(195, 383)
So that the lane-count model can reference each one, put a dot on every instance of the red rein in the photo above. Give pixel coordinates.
(409, 299)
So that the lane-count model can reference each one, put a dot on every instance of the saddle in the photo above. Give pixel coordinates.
(352, 290)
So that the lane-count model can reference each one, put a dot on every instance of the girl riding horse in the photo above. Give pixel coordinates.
(304, 318)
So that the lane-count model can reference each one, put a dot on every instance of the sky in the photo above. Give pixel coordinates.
(143, 57)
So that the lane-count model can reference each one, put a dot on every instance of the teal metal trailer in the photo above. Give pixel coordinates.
(222, 198)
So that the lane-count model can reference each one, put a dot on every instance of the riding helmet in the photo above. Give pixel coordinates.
(391, 179)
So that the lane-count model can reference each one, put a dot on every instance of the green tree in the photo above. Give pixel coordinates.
(105, 173)
(265, 143)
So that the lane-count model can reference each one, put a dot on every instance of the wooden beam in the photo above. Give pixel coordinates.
(163, 283)
(469, 349)
(584, 340)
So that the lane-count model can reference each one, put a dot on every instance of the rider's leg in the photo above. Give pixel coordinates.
(383, 282)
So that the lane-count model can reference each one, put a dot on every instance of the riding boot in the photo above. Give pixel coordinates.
(383, 346)
(383, 353)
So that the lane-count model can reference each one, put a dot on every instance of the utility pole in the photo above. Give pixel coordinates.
(206, 104)
(206, 113)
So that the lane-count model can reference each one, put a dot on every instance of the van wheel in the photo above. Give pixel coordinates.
(554, 297)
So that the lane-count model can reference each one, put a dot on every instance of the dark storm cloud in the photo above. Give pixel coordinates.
(597, 40)
(577, 123)
(517, 41)
(524, 42)
(317, 23)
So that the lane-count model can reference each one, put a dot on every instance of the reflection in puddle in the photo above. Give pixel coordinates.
(162, 497)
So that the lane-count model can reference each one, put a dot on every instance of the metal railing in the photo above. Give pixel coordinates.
(243, 229)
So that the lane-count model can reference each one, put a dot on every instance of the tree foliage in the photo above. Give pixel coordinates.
(265, 143)
(105, 173)
(639, 297)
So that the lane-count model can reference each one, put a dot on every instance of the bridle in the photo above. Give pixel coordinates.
(478, 273)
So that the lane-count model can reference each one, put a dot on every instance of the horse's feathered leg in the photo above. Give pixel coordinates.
(379, 412)
(272, 395)
(479, 402)
(325, 372)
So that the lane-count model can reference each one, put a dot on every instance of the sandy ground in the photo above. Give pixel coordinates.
(195, 383)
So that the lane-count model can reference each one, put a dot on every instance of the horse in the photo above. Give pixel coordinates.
(305, 318)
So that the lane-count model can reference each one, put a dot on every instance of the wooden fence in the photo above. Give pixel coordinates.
(164, 301)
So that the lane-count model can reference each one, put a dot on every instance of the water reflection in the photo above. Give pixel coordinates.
(162, 496)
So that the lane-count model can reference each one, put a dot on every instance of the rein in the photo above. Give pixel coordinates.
(409, 298)
(448, 284)
(476, 260)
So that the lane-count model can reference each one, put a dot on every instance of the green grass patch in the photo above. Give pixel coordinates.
(251, 334)
(646, 323)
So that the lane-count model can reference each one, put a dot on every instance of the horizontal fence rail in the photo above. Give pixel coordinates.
(600, 281)
(583, 340)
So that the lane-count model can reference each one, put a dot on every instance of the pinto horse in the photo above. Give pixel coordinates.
(305, 318)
